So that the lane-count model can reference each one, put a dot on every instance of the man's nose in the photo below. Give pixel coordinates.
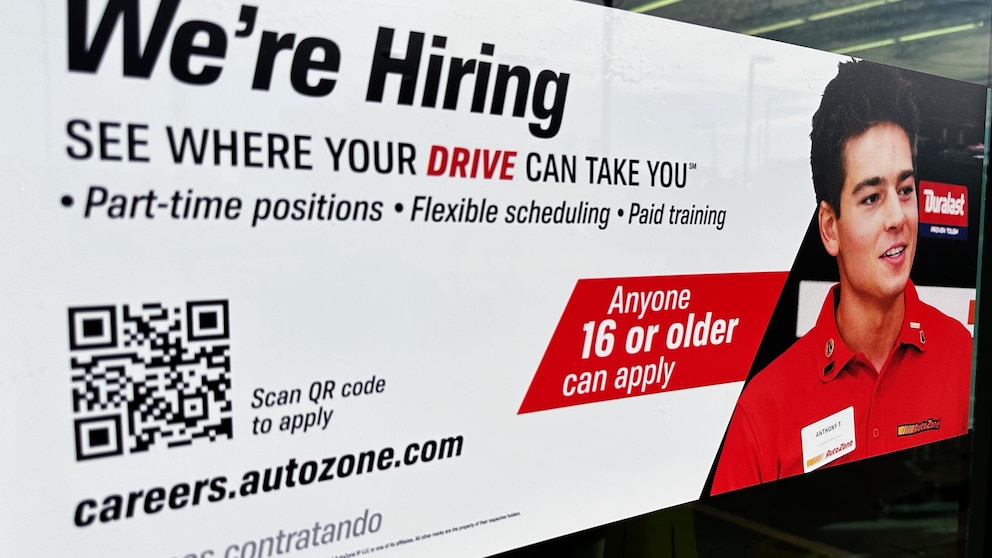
(895, 211)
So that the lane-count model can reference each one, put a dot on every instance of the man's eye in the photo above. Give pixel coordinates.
(907, 190)
(871, 200)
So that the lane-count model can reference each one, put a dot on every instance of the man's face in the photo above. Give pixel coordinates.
(874, 239)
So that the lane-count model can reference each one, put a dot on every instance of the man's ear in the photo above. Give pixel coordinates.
(827, 220)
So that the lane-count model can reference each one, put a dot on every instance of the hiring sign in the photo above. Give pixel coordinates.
(334, 280)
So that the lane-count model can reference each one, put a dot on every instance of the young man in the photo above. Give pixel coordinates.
(880, 371)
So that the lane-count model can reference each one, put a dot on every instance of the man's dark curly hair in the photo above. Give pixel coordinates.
(862, 95)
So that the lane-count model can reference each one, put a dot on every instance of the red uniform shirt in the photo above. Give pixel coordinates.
(919, 396)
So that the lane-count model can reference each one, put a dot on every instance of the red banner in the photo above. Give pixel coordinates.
(635, 336)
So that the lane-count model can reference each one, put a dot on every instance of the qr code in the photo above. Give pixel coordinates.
(149, 374)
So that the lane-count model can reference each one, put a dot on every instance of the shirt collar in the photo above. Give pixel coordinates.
(833, 355)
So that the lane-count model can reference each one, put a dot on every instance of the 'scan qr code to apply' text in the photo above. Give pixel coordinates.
(149, 374)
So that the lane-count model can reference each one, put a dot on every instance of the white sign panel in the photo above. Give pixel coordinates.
(411, 279)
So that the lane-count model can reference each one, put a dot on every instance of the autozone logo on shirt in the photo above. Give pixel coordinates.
(943, 210)
(916, 428)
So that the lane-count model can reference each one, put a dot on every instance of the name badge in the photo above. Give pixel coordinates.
(828, 439)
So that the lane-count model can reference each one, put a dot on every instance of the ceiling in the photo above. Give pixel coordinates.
(946, 38)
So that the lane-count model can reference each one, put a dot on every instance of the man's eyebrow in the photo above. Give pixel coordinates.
(866, 183)
(877, 180)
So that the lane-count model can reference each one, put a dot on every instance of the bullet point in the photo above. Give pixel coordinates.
(67, 201)
(620, 212)
(399, 208)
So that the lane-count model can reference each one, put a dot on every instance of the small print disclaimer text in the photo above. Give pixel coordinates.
(321, 535)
